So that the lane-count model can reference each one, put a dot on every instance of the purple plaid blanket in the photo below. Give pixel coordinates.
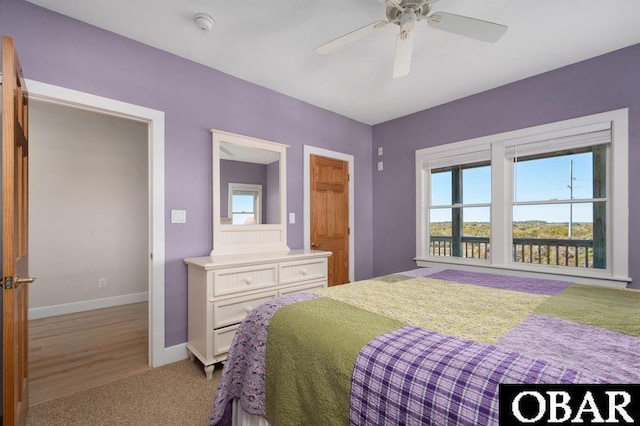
(412, 376)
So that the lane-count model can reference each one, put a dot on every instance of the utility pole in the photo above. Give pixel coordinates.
(571, 179)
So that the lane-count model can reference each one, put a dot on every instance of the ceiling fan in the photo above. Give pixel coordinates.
(405, 14)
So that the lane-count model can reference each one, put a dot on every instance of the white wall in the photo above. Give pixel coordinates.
(88, 212)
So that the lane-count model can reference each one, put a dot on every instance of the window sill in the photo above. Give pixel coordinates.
(527, 270)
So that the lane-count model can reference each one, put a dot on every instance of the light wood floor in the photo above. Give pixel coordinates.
(69, 353)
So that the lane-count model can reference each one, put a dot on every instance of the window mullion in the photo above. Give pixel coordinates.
(562, 201)
(501, 197)
(599, 209)
(456, 212)
(449, 206)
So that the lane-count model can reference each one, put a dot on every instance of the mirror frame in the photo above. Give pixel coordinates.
(236, 239)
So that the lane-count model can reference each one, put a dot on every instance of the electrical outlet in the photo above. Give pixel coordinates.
(102, 282)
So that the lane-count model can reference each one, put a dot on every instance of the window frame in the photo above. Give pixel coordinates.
(617, 212)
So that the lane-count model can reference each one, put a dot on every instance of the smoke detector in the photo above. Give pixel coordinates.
(203, 21)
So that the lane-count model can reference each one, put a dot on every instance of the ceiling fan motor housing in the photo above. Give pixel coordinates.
(420, 8)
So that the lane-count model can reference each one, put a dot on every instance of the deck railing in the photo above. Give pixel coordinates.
(545, 251)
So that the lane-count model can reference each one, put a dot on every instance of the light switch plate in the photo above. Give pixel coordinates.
(380, 166)
(292, 218)
(178, 216)
(380, 151)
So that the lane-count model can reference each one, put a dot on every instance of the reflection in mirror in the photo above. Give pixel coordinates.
(245, 204)
(249, 185)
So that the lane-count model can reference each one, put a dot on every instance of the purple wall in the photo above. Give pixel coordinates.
(61, 51)
(604, 83)
(272, 196)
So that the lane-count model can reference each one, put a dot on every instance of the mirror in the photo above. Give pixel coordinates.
(249, 185)
(249, 194)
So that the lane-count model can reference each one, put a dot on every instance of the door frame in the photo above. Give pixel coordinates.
(312, 150)
(155, 147)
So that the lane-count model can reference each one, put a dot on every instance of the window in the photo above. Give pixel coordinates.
(559, 208)
(244, 203)
(551, 199)
(460, 209)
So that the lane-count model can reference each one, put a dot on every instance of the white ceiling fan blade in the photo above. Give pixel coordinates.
(469, 27)
(349, 37)
(402, 60)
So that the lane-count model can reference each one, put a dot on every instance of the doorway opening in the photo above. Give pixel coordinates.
(88, 240)
(154, 259)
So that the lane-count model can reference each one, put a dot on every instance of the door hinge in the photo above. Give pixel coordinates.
(7, 283)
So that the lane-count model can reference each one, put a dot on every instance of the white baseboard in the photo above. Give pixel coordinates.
(87, 305)
(175, 353)
(169, 355)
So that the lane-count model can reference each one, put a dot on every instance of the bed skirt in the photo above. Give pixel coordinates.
(242, 418)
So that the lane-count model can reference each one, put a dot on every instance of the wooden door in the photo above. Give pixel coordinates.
(330, 214)
(14, 238)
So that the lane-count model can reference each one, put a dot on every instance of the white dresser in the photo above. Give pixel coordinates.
(223, 289)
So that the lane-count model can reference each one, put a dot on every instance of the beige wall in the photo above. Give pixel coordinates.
(88, 213)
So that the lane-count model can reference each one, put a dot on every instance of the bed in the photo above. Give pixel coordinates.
(427, 346)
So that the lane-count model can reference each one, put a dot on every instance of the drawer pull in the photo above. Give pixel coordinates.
(303, 271)
(211, 300)
(248, 280)
(248, 308)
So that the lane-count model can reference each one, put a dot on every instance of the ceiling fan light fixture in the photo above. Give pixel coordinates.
(203, 21)
(408, 20)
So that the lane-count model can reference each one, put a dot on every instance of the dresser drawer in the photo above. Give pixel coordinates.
(304, 270)
(222, 339)
(227, 281)
(302, 287)
(232, 311)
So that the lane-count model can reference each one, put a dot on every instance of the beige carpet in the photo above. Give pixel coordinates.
(175, 394)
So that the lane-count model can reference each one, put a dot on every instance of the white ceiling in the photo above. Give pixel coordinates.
(272, 43)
